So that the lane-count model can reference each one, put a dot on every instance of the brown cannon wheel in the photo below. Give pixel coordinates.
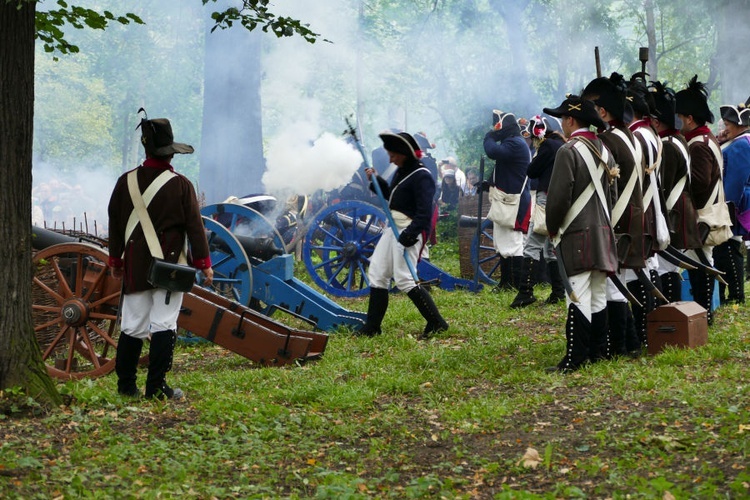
(74, 306)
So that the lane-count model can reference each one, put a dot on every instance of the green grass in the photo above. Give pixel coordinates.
(391, 417)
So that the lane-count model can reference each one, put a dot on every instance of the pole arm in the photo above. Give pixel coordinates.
(383, 202)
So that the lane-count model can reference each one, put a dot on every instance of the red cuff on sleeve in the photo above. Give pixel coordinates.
(115, 262)
(202, 263)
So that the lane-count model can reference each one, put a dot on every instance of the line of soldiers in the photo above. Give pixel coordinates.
(631, 192)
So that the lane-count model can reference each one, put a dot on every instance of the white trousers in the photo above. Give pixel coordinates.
(590, 288)
(146, 312)
(507, 242)
(388, 262)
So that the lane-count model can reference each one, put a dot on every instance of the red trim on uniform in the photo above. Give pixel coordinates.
(202, 263)
(669, 132)
(583, 133)
(115, 262)
(156, 163)
(638, 124)
(702, 130)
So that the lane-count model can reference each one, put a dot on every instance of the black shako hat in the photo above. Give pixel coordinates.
(693, 101)
(158, 140)
(739, 114)
(581, 109)
(608, 93)
(402, 143)
(664, 104)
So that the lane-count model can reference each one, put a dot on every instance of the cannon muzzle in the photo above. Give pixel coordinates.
(43, 238)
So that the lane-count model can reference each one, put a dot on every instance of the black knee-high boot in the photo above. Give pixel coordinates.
(640, 313)
(558, 288)
(672, 286)
(600, 345)
(160, 355)
(734, 272)
(429, 311)
(126, 364)
(702, 286)
(376, 309)
(516, 271)
(525, 294)
(506, 275)
(617, 315)
(577, 333)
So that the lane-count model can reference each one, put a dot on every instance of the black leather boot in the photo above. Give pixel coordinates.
(617, 321)
(516, 271)
(640, 313)
(577, 333)
(525, 294)
(558, 288)
(506, 275)
(600, 347)
(429, 311)
(702, 286)
(671, 284)
(376, 309)
(160, 355)
(126, 364)
(728, 258)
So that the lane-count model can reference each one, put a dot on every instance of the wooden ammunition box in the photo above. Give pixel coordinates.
(681, 324)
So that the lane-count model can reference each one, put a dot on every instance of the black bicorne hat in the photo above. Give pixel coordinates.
(638, 96)
(693, 101)
(608, 93)
(739, 114)
(157, 137)
(581, 109)
(664, 103)
(402, 143)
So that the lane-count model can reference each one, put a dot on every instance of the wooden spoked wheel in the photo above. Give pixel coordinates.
(74, 305)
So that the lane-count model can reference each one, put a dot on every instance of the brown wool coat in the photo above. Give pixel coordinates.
(683, 219)
(589, 243)
(631, 222)
(174, 212)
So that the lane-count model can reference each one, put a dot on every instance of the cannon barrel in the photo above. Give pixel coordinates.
(347, 221)
(259, 247)
(468, 221)
(43, 238)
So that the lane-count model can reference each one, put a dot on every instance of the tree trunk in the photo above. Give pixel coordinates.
(21, 362)
(651, 68)
(231, 152)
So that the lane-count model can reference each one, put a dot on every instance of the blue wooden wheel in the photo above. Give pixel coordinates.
(483, 251)
(338, 246)
(233, 274)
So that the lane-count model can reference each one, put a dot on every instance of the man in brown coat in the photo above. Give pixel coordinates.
(627, 215)
(706, 164)
(675, 183)
(578, 207)
(148, 312)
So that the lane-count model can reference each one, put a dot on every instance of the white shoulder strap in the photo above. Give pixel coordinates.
(679, 187)
(140, 212)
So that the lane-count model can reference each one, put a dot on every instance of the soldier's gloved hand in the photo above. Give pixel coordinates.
(495, 135)
(483, 186)
(407, 238)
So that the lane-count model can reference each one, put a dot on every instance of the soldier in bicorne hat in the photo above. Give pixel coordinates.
(579, 204)
(410, 197)
(706, 163)
(675, 184)
(608, 95)
(736, 154)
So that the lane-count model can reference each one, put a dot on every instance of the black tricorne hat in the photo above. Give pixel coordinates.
(664, 103)
(739, 114)
(158, 140)
(693, 101)
(581, 109)
(608, 93)
(402, 143)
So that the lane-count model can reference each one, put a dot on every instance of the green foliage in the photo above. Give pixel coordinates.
(255, 13)
(50, 23)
